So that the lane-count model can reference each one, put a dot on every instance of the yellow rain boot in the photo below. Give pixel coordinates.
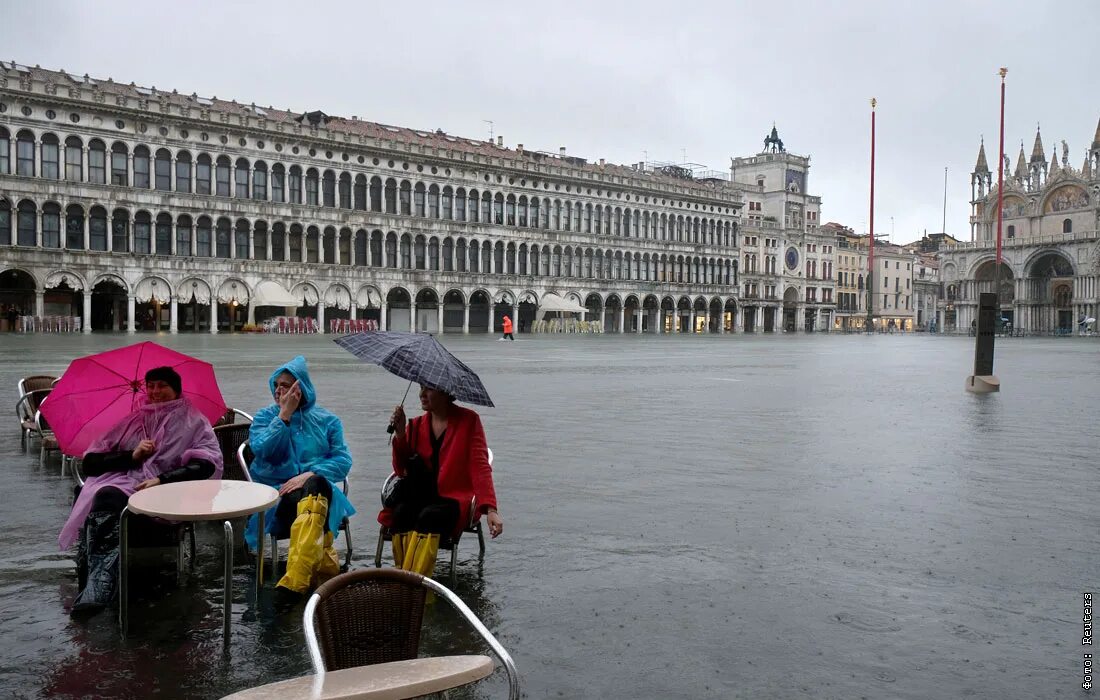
(330, 562)
(307, 540)
(399, 541)
(421, 557)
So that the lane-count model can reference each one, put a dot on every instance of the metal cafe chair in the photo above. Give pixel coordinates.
(473, 526)
(373, 616)
(244, 460)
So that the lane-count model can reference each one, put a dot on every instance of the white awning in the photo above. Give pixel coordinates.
(338, 295)
(272, 294)
(552, 302)
(151, 289)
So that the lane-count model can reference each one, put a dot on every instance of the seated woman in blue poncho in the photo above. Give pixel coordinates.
(299, 448)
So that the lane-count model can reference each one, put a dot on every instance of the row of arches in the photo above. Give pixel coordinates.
(165, 234)
(153, 302)
(178, 170)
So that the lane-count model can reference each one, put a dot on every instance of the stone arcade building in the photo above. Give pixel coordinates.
(137, 208)
(1050, 274)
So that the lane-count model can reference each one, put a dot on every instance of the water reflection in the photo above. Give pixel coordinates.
(687, 517)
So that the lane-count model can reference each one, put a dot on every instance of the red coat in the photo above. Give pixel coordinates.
(464, 469)
(507, 325)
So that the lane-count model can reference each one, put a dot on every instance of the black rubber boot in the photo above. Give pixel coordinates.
(101, 530)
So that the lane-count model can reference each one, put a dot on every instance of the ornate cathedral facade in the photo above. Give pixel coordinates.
(1050, 271)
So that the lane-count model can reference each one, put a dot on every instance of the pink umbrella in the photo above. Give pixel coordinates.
(97, 391)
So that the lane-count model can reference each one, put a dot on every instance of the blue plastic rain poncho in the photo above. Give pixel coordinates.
(313, 442)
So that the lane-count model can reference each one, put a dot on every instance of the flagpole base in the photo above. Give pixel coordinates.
(983, 384)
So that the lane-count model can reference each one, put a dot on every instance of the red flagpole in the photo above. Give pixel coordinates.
(871, 254)
(1000, 193)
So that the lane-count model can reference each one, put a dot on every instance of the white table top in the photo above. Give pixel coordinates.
(390, 681)
(209, 499)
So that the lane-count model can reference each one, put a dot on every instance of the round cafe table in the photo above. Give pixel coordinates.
(389, 681)
(210, 499)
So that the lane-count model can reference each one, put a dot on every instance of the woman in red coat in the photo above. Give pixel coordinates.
(455, 461)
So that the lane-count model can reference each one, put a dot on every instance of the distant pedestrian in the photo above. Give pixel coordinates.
(507, 329)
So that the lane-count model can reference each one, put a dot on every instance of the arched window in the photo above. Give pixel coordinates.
(433, 254)
(278, 241)
(420, 200)
(534, 206)
(312, 186)
(97, 162)
(259, 240)
(164, 234)
(5, 152)
(143, 233)
(222, 236)
(1067, 226)
(433, 202)
(419, 251)
(278, 183)
(295, 243)
(51, 225)
(498, 209)
(406, 252)
(446, 204)
(141, 168)
(460, 204)
(1011, 231)
(24, 154)
(391, 196)
(240, 179)
(74, 227)
(376, 249)
(475, 217)
(183, 236)
(328, 189)
(162, 170)
(460, 255)
(183, 172)
(222, 174)
(26, 224)
(361, 248)
(406, 198)
(203, 174)
(313, 236)
(486, 205)
(328, 245)
(360, 192)
(120, 231)
(259, 181)
(376, 194)
(51, 157)
(448, 255)
(510, 210)
(391, 249)
(97, 228)
(345, 191)
(294, 184)
(74, 159)
(119, 168)
(474, 257)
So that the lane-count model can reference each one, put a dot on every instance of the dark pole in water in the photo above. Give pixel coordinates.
(871, 251)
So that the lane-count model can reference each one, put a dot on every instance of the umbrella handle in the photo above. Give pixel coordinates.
(389, 428)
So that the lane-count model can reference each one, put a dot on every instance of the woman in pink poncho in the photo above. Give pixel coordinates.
(162, 441)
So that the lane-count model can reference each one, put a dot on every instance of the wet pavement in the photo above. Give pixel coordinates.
(751, 516)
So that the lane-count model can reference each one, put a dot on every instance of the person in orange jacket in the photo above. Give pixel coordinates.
(507, 329)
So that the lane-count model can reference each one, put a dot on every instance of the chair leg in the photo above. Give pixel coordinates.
(191, 541)
(454, 564)
(347, 544)
(381, 543)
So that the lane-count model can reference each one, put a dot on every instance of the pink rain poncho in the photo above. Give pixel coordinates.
(180, 433)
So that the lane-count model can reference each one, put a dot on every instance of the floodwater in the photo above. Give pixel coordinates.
(706, 517)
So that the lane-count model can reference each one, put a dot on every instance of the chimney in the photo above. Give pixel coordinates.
(500, 141)
(601, 162)
(519, 147)
(561, 151)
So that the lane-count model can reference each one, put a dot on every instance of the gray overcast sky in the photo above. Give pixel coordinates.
(619, 79)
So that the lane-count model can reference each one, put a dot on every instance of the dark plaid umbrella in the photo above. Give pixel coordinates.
(419, 358)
